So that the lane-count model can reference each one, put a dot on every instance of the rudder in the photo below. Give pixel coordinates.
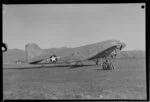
(32, 50)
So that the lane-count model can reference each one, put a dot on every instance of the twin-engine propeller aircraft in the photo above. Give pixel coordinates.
(98, 52)
(101, 53)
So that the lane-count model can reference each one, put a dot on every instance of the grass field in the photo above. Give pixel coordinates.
(128, 81)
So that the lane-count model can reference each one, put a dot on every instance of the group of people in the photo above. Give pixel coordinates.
(108, 65)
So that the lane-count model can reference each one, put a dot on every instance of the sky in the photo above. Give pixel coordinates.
(73, 25)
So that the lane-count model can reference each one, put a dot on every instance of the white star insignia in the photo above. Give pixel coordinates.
(53, 59)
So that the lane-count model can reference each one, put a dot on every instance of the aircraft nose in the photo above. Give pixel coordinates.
(124, 45)
(121, 45)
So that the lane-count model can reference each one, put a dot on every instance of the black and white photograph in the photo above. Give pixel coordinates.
(74, 51)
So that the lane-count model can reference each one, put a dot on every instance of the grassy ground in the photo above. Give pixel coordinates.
(128, 81)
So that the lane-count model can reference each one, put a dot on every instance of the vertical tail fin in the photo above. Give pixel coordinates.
(32, 50)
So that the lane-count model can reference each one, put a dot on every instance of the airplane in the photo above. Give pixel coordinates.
(101, 52)
(98, 52)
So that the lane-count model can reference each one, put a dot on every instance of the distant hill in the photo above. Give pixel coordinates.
(16, 54)
(131, 54)
(12, 55)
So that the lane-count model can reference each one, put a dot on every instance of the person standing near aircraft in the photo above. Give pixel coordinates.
(107, 64)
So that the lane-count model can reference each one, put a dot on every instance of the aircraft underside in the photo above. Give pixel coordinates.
(106, 63)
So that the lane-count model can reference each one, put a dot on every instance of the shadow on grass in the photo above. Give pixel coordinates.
(44, 66)
(78, 66)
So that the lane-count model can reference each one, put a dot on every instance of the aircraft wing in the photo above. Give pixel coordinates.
(103, 54)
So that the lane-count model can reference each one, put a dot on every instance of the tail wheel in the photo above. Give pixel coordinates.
(53, 58)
